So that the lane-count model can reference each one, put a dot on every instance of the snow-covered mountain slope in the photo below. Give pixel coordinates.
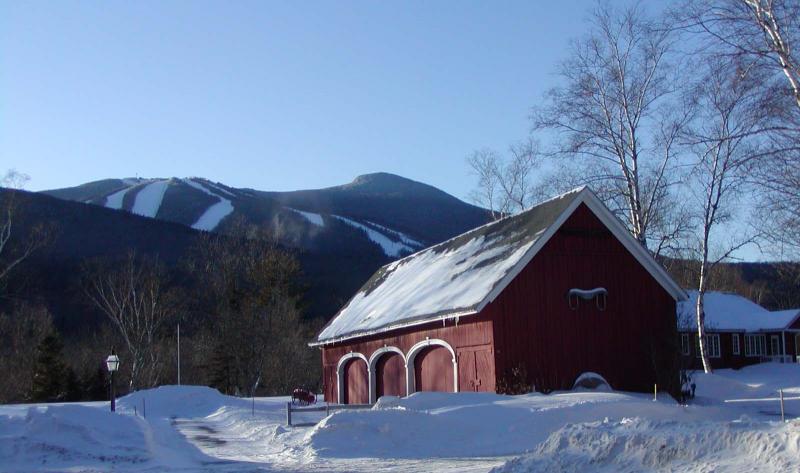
(376, 213)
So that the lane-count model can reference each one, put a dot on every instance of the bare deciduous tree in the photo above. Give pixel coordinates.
(506, 185)
(724, 145)
(12, 255)
(763, 35)
(134, 298)
(617, 120)
(259, 335)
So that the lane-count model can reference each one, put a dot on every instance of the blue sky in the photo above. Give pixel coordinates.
(271, 95)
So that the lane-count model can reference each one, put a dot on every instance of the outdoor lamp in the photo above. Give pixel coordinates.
(112, 363)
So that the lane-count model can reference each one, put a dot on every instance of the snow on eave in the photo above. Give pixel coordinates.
(410, 323)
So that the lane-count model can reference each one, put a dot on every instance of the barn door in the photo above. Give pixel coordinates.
(476, 369)
(390, 376)
(356, 382)
(433, 370)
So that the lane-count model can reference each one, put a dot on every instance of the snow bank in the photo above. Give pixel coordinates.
(755, 381)
(430, 425)
(176, 401)
(646, 445)
(57, 437)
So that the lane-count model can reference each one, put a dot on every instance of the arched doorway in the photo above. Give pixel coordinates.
(433, 369)
(390, 375)
(353, 378)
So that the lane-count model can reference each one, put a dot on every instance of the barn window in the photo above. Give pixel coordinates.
(598, 294)
(685, 343)
(755, 345)
(712, 345)
(735, 342)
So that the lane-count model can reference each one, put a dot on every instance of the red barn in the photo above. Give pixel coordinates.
(553, 292)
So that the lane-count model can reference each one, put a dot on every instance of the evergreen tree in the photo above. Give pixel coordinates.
(95, 385)
(73, 391)
(50, 372)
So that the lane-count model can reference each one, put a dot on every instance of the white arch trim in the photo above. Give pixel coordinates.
(340, 373)
(373, 364)
(412, 355)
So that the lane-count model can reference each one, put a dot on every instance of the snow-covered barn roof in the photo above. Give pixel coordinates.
(462, 275)
(732, 312)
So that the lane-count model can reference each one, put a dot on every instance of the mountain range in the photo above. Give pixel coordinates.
(340, 235)
(383, 212)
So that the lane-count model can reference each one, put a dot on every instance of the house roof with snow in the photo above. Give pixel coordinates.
(732, 312)
(460, 276)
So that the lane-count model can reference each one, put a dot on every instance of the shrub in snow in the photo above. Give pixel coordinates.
(515, 381)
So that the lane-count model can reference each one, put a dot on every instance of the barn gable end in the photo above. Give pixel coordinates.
(627, 339)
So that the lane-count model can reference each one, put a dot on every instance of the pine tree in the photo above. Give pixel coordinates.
(95, 385)
(50, 372)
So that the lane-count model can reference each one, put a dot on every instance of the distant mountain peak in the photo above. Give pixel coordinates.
(387, 183)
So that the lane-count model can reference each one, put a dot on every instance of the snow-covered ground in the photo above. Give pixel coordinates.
(198, 429)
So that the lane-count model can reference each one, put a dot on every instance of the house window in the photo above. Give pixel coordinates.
(712, 345)
(735, 341)
(685, 343)
(755, 345)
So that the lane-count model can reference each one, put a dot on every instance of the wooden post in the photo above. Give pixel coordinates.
(289, 414)
(783, 418)
(327, 409)
(655, 392)
(144, 408)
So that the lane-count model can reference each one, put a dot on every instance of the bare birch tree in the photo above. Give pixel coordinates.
(617, 120)
(506, 185)
(11, 255)
(764, 35)
(724, 147)
(134, 298)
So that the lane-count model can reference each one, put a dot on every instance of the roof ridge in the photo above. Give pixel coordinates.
(576, 190)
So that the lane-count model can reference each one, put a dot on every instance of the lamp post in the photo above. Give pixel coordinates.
(112, 363)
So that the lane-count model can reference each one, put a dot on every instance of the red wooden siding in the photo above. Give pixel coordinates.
(433, 370)
(390, 375)
(629, 343)
(471, 331)
(356, 382)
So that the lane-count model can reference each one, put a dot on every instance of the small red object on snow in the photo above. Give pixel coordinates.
(303, 397)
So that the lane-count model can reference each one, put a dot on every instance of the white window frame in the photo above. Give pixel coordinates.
(755, 344)
(685, 347)
(713, 348)
(737, 347)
